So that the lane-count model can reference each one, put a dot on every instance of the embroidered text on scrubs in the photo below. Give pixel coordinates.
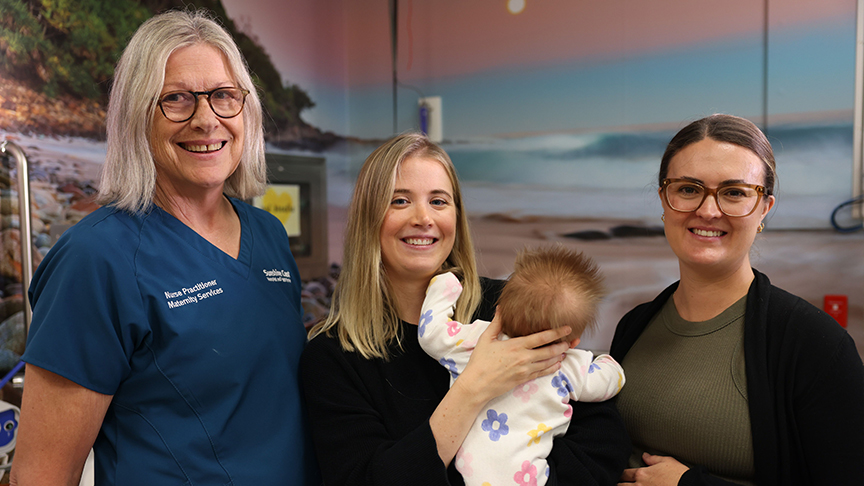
(193, 294)
(177, 303)
(278, 275)
(199, 286)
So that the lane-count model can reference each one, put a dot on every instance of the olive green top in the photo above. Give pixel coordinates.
(686, 393)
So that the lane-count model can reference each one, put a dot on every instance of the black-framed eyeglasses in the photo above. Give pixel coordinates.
(734, 199)
(180, 106)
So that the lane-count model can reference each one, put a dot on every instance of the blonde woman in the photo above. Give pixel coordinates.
(381, 410)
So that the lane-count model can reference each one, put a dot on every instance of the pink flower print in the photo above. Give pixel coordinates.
(537, 434)
(525, 390)
(527, 476)
(453, 328)
(463, 463)
(452, 291)
(468, 344)
(569, 412)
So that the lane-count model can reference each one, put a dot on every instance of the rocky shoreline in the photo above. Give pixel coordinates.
(24, 110)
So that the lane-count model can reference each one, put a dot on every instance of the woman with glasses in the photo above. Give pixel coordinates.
(160, 336)
(731, 380)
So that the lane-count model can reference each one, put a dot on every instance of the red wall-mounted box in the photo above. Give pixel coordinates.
(837, 306)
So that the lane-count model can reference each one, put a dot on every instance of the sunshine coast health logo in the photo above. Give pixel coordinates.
(192, 294)
(278, 275)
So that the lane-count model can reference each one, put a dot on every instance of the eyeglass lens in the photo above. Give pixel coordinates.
(179, 106)
(732, 200)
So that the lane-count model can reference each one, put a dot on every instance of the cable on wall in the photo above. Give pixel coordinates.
(854, 205)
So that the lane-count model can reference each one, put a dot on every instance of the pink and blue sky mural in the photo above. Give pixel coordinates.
(569, 103)
(559, 65)
(563, 111)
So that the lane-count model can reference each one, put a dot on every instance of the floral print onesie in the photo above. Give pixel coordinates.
(509, 441)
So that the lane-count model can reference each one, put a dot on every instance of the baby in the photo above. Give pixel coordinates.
(549, 288)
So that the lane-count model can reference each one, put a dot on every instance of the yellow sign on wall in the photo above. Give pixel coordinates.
(283, 201)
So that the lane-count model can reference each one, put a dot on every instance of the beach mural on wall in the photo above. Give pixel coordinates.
(573, 95)
(560, 110)
(555, 113)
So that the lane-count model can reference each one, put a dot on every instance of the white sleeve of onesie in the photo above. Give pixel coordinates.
(592, 380)
(441, 337)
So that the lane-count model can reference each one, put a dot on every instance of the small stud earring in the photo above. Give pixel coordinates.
(760, 228)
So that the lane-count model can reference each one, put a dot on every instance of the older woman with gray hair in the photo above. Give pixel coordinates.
(160, 336)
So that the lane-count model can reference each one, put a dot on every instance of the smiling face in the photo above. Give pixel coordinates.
(419, 227)
(198, 155)
(707, 238)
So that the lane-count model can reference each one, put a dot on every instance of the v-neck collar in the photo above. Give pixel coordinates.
(242, 264)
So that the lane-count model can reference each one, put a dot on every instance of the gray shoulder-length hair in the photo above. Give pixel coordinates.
(129, 174)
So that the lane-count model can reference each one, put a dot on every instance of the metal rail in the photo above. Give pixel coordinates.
(15, 151)
(857, 139)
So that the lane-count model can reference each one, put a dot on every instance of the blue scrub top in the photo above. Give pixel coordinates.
(200, 351)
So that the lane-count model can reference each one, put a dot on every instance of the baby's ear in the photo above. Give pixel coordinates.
(575, 343)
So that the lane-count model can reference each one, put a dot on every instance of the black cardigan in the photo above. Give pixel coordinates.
(805, 383)
(370, 418)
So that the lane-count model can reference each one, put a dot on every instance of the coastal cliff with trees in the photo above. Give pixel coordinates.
(57, 59)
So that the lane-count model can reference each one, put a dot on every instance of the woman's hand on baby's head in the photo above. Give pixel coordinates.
(538, 339)
(497, 366)
(550, 337)
(548, 346)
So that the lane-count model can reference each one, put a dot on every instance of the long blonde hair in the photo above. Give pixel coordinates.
(363, 312)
